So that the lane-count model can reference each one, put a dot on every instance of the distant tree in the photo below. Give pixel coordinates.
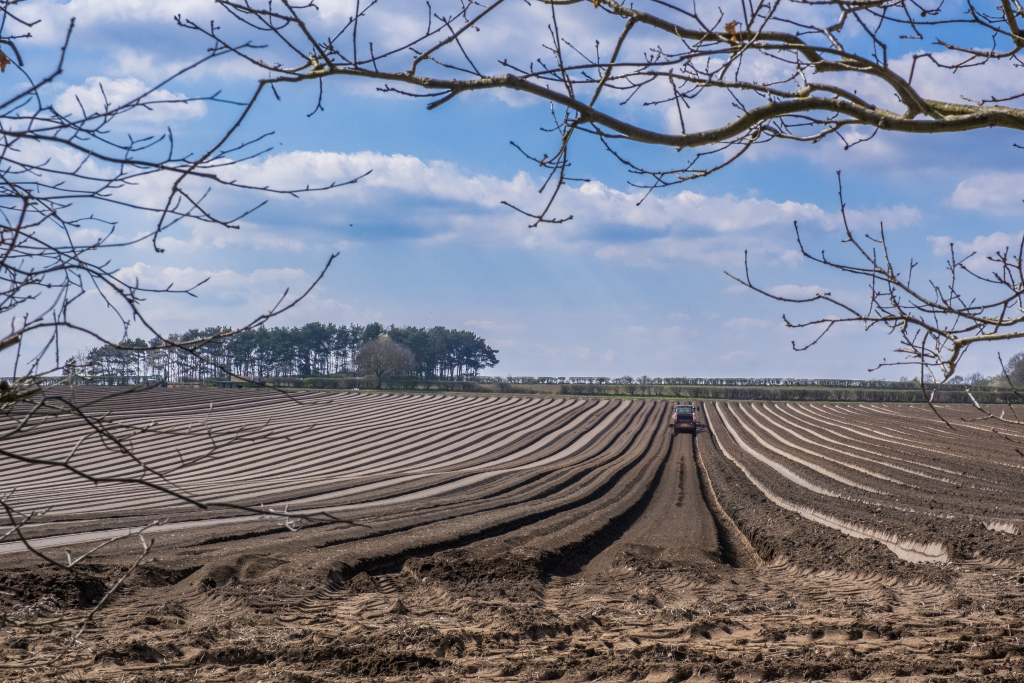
(242, 351)
(440, 351)
(1013, 370)
(313, 343)
(340, 351)
(384, 357)
(312, 350)
(417, 340)
(472, 353)
(454, 354)
(372, 331)
(975, 378)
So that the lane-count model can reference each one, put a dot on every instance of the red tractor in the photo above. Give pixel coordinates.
(684, 419)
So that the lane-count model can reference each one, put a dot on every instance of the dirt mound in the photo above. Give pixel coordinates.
(243, 569)
(153, 575)
(25, 586)
(136, 651)
(461, 566)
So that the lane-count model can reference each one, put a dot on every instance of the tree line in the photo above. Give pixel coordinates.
(983, 394)
(313, 350)
(1015, 368)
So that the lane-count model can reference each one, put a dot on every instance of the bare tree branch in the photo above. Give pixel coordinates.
(788, 73)
(935, 323)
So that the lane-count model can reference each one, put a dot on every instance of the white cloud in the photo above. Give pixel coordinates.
(797, 291)
(611, 224)
(893, 217)
(153, 65)
(725, 213)
(249, 235)
(996, 79)
(54, 16)
(981, 246)
(224, 283)
(723, 251)
(232, 298)
(1000, 193)
(437, 179)
(592, 203)
(100, 94)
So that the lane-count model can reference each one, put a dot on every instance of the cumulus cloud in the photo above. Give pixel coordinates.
(892, 217)
(797, 291)
(53, 16)
(981, 246)
(234, 298)
(1000, 193)
(436, 203)
(452, 206)
(997, 79)
(436, 179)
(248, 236)
(222, 283)
(155, 64)
(100, 94)
(589, 203)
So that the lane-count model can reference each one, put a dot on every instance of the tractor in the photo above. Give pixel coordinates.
(684, 418)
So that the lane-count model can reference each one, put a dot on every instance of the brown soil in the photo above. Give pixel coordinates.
(637, 556)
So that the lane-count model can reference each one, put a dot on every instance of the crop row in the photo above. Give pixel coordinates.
(531, 473)
(900, 477)
(278, 448)
(424, 470)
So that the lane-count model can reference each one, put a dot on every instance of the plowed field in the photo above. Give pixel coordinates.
(523, 539)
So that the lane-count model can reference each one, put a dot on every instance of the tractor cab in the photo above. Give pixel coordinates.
(684, 418)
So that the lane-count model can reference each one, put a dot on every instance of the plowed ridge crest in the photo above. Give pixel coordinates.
(911, 551)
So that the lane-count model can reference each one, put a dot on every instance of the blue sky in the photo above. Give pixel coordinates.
(424, 240)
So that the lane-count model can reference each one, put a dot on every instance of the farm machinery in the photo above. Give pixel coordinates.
(684, 418)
